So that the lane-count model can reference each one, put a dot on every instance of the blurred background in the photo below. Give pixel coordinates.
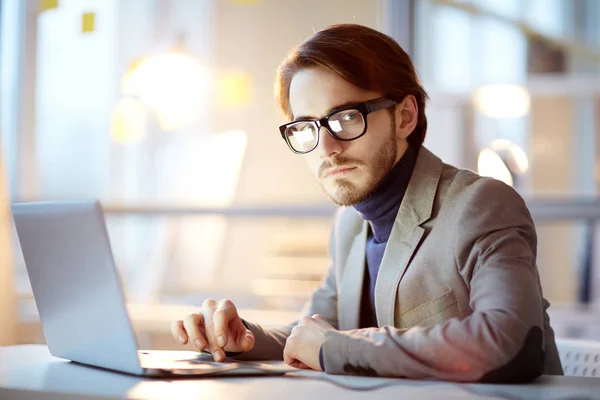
(164, 110)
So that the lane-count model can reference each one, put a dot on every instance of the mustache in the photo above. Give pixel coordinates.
(336, 162)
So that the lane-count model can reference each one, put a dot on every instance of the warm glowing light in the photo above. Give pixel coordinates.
(172, 84)
(502, 101)
(128, 121)
(515, 155)
(490, 164)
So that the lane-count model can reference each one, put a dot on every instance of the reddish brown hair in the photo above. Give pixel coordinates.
(364, 57)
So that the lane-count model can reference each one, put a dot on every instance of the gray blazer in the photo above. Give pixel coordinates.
(458, 296)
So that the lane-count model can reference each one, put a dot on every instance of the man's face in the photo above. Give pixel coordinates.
(348, 172)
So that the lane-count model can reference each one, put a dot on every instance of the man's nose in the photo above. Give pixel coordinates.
(328, 145)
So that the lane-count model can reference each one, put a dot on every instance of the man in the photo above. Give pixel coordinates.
(433, 269)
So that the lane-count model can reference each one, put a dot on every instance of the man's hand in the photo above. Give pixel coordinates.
(303, 345)
(217, 327)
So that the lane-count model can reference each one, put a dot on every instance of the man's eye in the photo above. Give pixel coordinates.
(349, 116)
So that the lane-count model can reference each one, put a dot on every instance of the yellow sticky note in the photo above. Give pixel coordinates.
(235, 89)
(88, 22)
(48, 5)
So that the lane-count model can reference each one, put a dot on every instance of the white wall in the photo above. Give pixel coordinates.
(256, 38)
(552, 174)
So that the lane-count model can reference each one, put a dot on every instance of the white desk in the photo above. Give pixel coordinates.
(30, 372)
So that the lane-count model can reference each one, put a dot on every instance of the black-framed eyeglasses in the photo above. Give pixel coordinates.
(344, 123)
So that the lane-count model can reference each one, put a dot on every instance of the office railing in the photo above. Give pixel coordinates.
(586, 210)
(542, 210)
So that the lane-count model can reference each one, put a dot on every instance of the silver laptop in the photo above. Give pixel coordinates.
(78, 294)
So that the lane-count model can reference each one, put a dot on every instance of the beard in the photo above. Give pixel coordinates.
(344, 192)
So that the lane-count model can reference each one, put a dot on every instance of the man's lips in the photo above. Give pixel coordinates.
(337, 171)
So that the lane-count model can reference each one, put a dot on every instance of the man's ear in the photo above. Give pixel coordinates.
(407, 116)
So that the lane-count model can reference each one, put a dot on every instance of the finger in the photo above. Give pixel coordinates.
(289, 356)
(225, 313)
(208, 310)
(301, 365)
(245, 338)
(194, 326)
(291, 361)
(178, 332)
(319, 317)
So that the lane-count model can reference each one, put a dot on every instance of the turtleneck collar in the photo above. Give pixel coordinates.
(381, 207)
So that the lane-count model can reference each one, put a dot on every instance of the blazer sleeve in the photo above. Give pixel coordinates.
(502, 340)
(270, 343)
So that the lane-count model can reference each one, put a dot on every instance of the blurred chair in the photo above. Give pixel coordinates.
(579, 357)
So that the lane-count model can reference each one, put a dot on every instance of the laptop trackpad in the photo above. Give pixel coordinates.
(194, 363)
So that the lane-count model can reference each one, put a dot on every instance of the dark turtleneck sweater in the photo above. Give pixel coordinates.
(380, 209)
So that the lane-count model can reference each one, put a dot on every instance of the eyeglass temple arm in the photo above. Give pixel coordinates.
(380, 104)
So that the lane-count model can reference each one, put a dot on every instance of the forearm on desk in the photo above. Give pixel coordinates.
(488, 347)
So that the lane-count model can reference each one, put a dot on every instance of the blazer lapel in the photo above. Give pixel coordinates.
(403, 241)
(352, 281)
(416, 208)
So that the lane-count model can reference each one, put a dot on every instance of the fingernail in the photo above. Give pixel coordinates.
(219, 355)
(199, 344)
(221, 341)
(181, 339)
